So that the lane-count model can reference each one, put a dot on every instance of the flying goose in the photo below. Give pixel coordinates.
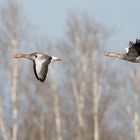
(133, 52)
(40, 63)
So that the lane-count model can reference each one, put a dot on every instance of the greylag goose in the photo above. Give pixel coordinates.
(40, 63)
(133, 52)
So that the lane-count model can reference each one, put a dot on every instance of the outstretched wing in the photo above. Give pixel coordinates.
(134, 48)
(41, 69)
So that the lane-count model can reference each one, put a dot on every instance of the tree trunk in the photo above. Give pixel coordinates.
(79, 104)
(79, 99)
(14, 99)
(5, 132)
(56, 109)
(14, 43)
(134, 113)
(96, 96)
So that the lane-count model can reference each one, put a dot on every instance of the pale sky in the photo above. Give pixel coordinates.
(121, 17)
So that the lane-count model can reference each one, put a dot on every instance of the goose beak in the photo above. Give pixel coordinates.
(29, 56)
(16, 55)
(55, 59)
(107, 53)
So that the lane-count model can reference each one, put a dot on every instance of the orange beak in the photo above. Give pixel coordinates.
(29, 56)
(107, 53)
(14, 55)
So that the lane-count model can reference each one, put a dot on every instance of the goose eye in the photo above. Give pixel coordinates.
(35, 56)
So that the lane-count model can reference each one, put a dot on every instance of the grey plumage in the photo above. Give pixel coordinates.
(132, 55)
(40, 63)
(43, 71)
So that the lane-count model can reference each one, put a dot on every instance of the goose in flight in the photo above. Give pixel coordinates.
(40, 63)
(132, 52)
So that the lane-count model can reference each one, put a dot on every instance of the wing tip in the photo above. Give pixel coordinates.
(41, 80)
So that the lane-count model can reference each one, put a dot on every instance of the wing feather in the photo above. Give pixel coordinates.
(134, 49)
(41, 69)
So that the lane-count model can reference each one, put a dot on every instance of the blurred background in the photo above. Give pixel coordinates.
(87, 96)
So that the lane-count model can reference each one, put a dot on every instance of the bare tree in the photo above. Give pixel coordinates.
(83, 42)
(56, 109)
(5, 131)
(96, 96)
(15, 44)
(133, 110)
(10, 30)
(11, 33)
